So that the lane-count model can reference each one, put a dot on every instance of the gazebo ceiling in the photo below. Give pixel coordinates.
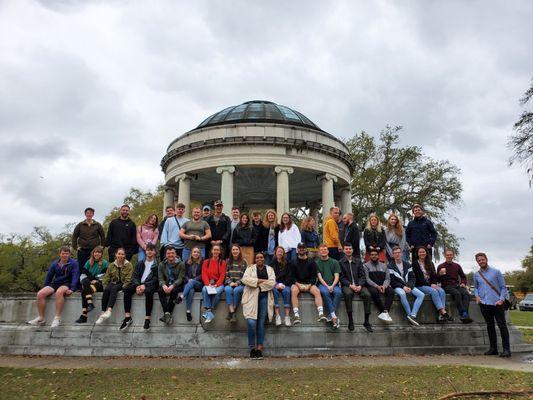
(256, 186)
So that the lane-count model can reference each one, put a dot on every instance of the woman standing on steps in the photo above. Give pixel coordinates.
(117, 277)
(258, 302)
(91, 281)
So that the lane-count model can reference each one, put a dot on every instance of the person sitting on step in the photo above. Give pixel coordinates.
(91, 281)
(171, 272)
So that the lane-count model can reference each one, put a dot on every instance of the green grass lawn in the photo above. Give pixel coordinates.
(380, 382)
(523, 318)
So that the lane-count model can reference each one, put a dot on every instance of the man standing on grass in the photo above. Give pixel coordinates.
(491, 292)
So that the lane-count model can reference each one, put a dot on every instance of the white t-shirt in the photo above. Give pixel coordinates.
(147, 268)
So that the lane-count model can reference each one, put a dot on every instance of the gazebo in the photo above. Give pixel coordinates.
(258, 155)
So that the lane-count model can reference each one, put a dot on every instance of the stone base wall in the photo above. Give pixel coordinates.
(220, 338)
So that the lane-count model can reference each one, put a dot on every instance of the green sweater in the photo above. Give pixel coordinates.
(328, 269)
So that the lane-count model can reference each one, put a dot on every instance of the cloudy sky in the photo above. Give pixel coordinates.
(91, 93)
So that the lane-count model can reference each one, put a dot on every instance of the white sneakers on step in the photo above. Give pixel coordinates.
(37, 322)
(385, 317)
(105, 316)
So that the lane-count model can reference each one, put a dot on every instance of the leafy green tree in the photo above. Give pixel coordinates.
(389, 178)
(24, 259)
(524, 279)
(521, 143)
(142, 204)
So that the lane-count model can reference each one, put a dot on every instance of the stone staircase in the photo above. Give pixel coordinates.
(218, 338)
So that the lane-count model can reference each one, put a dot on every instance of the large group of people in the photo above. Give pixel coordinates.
(263, 264)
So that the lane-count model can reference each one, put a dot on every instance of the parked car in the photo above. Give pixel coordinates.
(527, 303)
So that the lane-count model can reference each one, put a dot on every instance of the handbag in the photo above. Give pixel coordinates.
(506, 302)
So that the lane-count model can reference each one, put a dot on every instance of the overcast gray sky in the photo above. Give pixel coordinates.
(91, 93)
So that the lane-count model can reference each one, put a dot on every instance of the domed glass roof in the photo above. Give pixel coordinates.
(258, 111)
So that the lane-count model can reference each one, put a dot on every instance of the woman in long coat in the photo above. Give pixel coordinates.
(258, 302)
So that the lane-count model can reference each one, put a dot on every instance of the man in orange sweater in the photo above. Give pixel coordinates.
(331, 233)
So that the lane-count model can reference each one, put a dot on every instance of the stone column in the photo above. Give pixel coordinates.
(346, 200)
(184, 191)
(282, 187)
(168, 200)
(327, 193)
(226, 186)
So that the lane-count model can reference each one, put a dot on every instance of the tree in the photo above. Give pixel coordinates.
(521, 143)
(523, 280)
(391, 178)
(142, 204)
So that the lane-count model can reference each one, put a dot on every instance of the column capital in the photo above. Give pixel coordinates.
(183, 177)
(279, 169)
(169, 187)
(226, 168)
(327, 177)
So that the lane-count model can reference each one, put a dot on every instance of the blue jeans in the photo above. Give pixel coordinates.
(256, 327)
(437, 295)
(187, 253)
(188, 291)
(405, 303)
(285, 293)
(291, 255)
(331, 300)
(211, 300)
(141, 255)
(233, 295)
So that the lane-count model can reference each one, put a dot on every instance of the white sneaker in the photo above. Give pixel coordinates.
(106, 315)
(287, 321)
(278, 320)
(37, 322)
(55, 322)
(385, 317)
(102, 318)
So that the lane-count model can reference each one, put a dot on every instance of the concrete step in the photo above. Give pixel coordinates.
(221, 337)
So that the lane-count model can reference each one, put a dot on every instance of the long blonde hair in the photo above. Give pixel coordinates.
(306, 224)
(266, 224)
(368, 226)
(398, 229)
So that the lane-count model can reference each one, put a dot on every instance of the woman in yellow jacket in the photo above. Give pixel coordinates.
(257, 302)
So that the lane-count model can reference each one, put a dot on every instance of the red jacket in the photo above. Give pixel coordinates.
(213, 270)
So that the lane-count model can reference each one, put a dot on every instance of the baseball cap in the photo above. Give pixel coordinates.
(301, 246)
(206, 207)
(218, 202)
